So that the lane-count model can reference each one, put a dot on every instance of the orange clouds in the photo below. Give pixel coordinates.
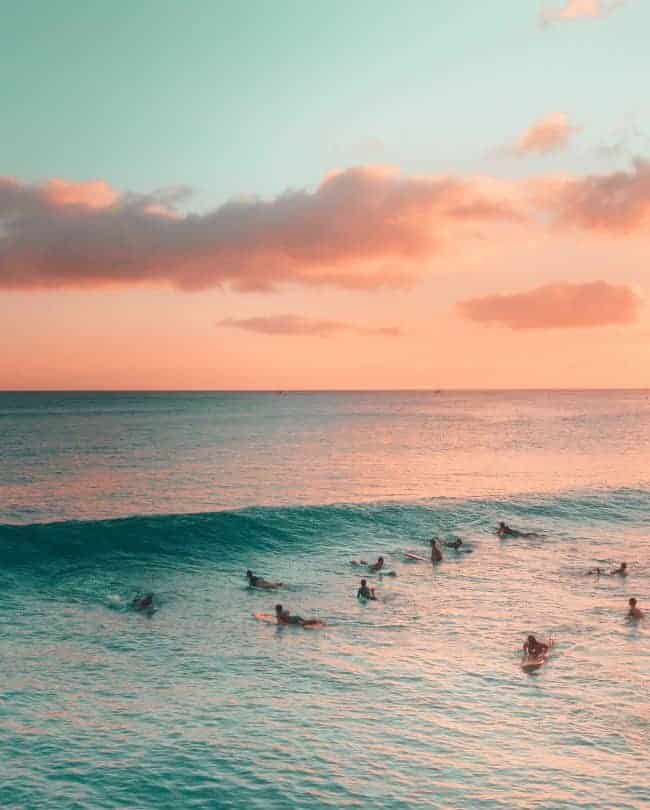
(579, 9)
(547, 135)
(360, 228)
(301, 326)
(557, 306)
(93, 194)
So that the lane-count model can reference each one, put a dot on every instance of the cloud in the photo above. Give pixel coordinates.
(363, 228)
(557, 306)
(549, 134)
(301, 326)
(359, 229)
(93, 194)
(616, 202)
(578, 10)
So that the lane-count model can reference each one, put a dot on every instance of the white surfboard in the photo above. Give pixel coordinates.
(411, 556)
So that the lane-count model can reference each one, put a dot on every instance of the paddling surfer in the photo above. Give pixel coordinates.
(259, 582)
(503, 531)
(284, 617)
(372, 567)
(455, 544)
(143, 602)
(436, 554)
(621, 570)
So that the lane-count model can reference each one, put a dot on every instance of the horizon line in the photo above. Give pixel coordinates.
(312, 390)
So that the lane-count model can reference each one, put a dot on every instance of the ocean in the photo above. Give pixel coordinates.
(415, 700)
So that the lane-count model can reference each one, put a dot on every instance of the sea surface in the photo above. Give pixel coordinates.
(417, 700)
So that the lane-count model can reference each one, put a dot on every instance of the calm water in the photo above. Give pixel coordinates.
(417, 700)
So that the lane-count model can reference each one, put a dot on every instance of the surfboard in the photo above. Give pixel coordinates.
(409, 555)
(269, 618)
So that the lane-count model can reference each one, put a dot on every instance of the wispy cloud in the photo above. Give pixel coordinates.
(359, 229)
(557, 306)
(573, 10)
(551, 133)
(302, 326)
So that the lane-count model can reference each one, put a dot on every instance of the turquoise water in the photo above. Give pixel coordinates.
(417, 700)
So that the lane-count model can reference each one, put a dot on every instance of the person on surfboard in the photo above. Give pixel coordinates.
(455, 544)
(534, 648)
(259, 582)
(436, 554)
(503, 531)
(377, 566)
(284, 617)
(634, 612)
(365, 592)
(143, 602)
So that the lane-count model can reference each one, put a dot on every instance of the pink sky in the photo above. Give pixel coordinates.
(372, 278)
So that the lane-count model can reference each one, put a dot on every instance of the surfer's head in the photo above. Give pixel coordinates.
(632, 602)
(278, 610)
(380, 559)
(623, 566)
(363, 583)
(249, 574)
(532, 639)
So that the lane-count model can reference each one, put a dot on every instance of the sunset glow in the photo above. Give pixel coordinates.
(338, 269)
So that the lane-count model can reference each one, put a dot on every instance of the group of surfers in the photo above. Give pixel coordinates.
(532, 647)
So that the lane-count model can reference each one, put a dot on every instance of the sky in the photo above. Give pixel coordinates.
(285, 195)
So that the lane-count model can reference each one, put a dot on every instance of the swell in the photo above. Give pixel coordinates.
(190, 538)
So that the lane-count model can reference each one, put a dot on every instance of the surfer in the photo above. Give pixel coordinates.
(534, 648)
(436, 554)
(143, 602)
(374, 567)
(634, 612)
(284, 617)
(621, 570)
(377, 566)
(365, 592)
(503, 531)
(258, 582)
(455, 544)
